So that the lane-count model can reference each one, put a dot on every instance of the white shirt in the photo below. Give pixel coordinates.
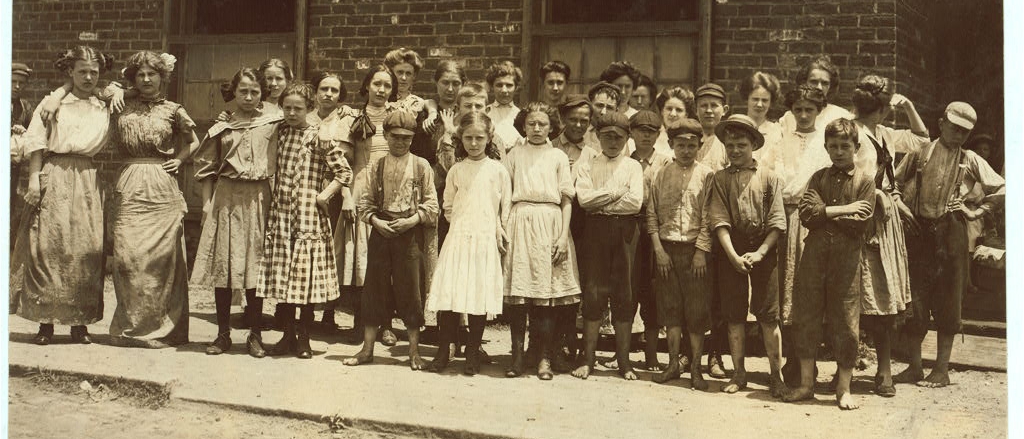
(81, 128)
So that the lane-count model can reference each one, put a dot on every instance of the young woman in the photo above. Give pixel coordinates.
(675, 104)
(57, 269)
(150, 275)
(406, 64)
(276, 77)
(234, 165)
(761, 92)
(819, 73)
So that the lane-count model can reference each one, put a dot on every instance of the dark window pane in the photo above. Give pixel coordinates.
(219, 17)
(617, 11)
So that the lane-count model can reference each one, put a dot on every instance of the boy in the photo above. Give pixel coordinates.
(747, 217)
(605, 98)
(554, 76)
(610, 187)
(676, 217)
(711, 107)
(644, 128)
(835, 209)
(934, 181)
(21, 115)
(400, 204)
(504, 78)
(576, 115)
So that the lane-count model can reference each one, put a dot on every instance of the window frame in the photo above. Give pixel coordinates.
(536, 30)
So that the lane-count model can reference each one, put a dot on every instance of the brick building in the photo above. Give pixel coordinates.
(936, 51)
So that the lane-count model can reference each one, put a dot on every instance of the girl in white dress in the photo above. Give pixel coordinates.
(468, 278)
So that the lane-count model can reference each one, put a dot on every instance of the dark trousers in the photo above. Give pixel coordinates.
(938, 262)
(611, 247)
(394, 272)
(740, 293)
(828, 286)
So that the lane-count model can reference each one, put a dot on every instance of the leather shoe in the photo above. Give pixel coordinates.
(80, 335)
(255, 345)
(220, 345)
(388, 337)
(544, 370)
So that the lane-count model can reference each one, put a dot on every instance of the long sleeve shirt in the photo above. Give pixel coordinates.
(712, 153)
(574, 151)
(239, 150)
(835, 187)
(939, 166)
(400, 187)
(601, 180)
(748, 201)
(677, 204)
(82, 128)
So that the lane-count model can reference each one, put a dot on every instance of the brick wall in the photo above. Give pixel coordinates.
(778, 37)
(348, 35)
(44, 28)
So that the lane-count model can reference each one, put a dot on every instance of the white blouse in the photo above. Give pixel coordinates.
(82, 128)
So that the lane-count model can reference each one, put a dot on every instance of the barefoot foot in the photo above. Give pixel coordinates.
(697, 381)
(628, 374)
(846, 401)
(776, 386)
(652, 365)
(737, 383)
(417, 363)
(797, 394)
(362, 357)
(582, 372)
(671, 373)
(935, 380)
(909, 375)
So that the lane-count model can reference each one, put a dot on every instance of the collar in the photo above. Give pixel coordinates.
(578, 145)
(649, 159)
(753, 167)
(497, 105)
(681, 165)
(158, 99)
(835, 170)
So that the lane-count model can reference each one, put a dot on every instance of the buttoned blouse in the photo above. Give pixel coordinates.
(239, 149)
(82, 128)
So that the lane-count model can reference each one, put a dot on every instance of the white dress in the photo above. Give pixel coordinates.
(468, 278)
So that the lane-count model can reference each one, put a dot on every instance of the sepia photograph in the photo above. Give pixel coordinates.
(508, 219)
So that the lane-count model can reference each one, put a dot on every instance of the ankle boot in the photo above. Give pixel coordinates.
(447, 325)
(80, 335)
(287, 345)
(474, 351)
(45, 334)
(517, 328)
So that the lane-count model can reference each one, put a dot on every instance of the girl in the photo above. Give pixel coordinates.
(276, 77)
(234, 164)
(299, 269)
(797, 156)
(675, 105)
(369, 145)
(150, 275)
(761, 91)
(821, 74)
(406, 64)
(469, 275)
(334, 122)
(644, 93)
(885, 284)
(541, 259)
(57, 267)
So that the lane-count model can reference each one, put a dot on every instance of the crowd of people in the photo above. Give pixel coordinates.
(449, 211)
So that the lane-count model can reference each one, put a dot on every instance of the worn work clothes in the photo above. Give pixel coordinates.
(610, 186)
(926, 179)
(712, 153)
(396, 278)
(611, 248)
(238, 149)
(683, 299)
(827, 280)
(677, 204)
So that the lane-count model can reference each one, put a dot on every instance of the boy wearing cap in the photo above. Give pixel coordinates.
(21, 114)
(576, 116)
(747, 217)
(835, 208)
(610, 187)
(712, 105)
(400, 203)
(934, 181)
(676, 216)
(644, 128)
(605, 98)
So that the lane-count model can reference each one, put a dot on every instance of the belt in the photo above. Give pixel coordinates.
(145, 160)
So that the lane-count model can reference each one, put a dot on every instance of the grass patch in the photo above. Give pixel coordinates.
(97, 387)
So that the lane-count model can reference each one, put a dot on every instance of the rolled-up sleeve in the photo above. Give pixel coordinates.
(336, 161)
(718, 205)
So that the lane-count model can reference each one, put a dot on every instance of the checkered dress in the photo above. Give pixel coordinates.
(299, 265)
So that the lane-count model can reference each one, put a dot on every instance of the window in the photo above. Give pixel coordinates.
(663, 38)
(231, 17)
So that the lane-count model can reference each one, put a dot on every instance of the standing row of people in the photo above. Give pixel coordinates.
(558, 208)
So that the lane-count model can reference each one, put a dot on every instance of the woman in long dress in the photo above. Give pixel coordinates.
(149, 272)
(57, 266)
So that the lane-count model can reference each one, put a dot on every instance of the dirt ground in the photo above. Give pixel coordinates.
(99, 412)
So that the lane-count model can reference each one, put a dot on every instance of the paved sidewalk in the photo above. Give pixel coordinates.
(387, 395)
